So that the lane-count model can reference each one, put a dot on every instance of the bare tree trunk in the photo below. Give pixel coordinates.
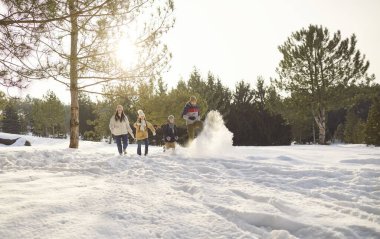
(320, 119)
(74, 122)
(313, 133)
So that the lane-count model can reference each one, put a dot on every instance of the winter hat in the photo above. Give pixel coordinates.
(171, 117)
(193, 98)
(140, 113)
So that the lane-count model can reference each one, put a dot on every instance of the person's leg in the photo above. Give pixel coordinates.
(146, 141)
(139, 147)
(118, 143)
(190, 131)
(198, 124)
(167, 145)
(125, 142)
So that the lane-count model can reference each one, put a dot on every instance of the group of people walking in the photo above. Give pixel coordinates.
(120, 127)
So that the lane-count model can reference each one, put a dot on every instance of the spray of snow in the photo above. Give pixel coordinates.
(215, 138)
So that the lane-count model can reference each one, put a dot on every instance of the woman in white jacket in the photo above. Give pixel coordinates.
(119, 126)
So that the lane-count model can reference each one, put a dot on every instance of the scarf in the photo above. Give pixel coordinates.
(143, 125)
(171, 126)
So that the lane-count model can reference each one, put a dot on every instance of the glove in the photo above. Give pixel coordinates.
(176, 137)
(154, 133)
(168, 138)
(192, 118)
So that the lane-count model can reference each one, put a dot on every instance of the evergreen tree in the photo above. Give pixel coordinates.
(241, 115)
(354, 129)
(314, 65)
(86, 115)
(26, 113)
(48, 116)
(38, 120)
(11, 120)
(3, 103)
(372, 131)
(339, 134)
(349, 128)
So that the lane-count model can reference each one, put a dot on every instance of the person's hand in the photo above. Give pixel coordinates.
(154, 133)
(138, 124)
(192, 118)
(168, 138)
(176, 137)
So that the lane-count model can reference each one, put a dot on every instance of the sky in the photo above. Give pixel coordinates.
(238, 40)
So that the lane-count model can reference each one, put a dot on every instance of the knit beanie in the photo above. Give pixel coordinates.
(140, 113)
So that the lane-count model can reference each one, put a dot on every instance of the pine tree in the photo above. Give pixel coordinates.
(354, 130)
(11, 120)
(349, 127)
(339, 133)
(241, 115)
(314, 65)
(373, 124)
(86, 114)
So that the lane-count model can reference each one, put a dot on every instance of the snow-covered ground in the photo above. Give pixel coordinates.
(50, 191)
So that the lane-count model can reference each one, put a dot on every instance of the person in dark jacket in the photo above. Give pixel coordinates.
(170, 135)
(191, 114)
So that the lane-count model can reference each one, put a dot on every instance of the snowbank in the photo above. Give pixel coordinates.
(9, 139)
(50, 191)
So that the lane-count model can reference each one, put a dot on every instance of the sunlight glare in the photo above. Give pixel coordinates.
(126, 53)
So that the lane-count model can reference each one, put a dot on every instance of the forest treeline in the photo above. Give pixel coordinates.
(256, 114)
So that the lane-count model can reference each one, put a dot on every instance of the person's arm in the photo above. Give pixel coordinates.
(199, 113)
(175, 133)
(112, 124)
(150, 126)
(184, 112)
(129, 129)
(164, 132)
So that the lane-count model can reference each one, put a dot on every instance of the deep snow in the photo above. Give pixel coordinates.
(50, 191)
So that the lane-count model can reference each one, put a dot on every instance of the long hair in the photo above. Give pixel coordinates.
(121, 118)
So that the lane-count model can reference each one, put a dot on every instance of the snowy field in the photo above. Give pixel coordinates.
(208, 190)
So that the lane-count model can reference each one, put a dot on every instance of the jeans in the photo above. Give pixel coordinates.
(139, 142)
(119, 139)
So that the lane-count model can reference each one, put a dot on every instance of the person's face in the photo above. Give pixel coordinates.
(193, 102)
(142, 117)
(119, 109)
(171, 120)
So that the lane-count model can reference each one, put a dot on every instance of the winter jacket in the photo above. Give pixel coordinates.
(170, 130)
(142, 133)
(191, 113)
(118, 127)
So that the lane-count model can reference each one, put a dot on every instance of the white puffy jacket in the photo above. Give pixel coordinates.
(119, 128)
